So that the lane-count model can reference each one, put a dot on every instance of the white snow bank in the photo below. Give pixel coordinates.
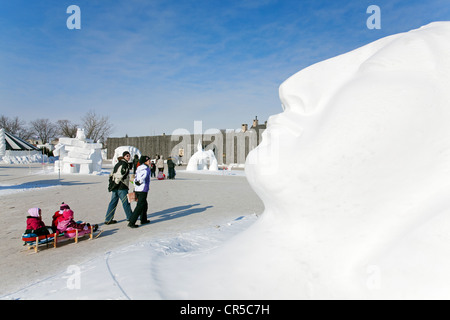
(23, 157)
(364, 213)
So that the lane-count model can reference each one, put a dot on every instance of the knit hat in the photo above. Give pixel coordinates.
(125, 153)
(64, 206)
(34, 212)
(143, 159)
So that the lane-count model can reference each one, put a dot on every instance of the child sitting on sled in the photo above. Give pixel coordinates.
(161, 176)
(67, 223)
(58, 216)
(35, 224)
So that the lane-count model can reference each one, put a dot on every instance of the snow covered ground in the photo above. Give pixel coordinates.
(9, 186)
(191, 216)
(137, 271)
(362, 214)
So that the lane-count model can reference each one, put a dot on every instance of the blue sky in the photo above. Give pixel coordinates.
(157, 65)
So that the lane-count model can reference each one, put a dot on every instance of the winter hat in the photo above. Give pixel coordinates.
(125, 153)
(64, 206)
(143, 159)
(68, 214)
(34, 212)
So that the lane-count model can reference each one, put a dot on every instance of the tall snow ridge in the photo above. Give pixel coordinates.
(355, 179)
(355, 173)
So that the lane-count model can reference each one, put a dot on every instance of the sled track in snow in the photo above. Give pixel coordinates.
(114, 278)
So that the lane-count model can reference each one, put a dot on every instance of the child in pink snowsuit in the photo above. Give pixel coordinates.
(35, 224)
(67, 223)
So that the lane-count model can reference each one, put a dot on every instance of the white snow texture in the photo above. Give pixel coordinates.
(364, 210)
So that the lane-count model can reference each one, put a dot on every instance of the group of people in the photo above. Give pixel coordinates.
(158, 164)
(119, 186)
(119, 183)
(62, 221)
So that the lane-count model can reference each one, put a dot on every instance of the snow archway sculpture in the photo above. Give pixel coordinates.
(202, 160)
(120, 150)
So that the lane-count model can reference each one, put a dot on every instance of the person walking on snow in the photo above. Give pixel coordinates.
(142, 186)
(153, 168)
(135, 163)
(119, 182)
(171, 166)
(160, 164)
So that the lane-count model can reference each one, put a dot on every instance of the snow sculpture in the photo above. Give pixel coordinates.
(78, 155)
(201, 159)
(364, 211)
(2, 143)
(81, 135)
(120, 150)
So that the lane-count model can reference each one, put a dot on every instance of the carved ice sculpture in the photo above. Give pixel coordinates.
(201, 159)
(78, 155)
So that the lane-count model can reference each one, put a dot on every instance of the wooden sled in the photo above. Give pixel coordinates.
(74, 234)
(34, 242)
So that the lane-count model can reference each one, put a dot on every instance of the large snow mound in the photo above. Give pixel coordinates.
(364, 210)
(355, 179)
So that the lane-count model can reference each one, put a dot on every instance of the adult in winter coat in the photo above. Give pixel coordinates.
(142, 186)
(119, 182)
(135, 163)
(152, 169)
(171, 167)
(160, 164)
(35, 224)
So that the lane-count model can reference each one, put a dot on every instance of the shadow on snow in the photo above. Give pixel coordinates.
(176, 212)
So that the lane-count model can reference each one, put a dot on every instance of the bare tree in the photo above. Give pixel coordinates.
(66, 128)
(96, 127)
(43, 129)
(16, 127)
